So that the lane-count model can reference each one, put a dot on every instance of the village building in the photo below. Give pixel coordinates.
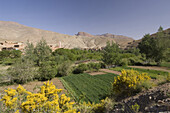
(11, 45)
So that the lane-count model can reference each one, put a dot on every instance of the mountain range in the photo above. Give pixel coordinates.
(12, 31)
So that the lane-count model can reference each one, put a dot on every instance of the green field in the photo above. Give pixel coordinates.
(154, 74)
(92, 88)
(165, 64)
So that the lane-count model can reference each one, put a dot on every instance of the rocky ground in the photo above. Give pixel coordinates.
(155, 100)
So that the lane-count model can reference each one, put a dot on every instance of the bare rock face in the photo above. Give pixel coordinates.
(84, 34)
(13, 31)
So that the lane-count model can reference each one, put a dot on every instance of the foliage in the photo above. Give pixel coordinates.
(47, 71)
(77, 54)
(80, 68)
(135, 108)
(42, 52)
(93, 88)
(29, 51)
(65, 69)
(104, 106)
(22, 71)
(87, 67)
(9, 57)
(10, 54)
(168, 78)
(129, 82)
(156, 46)
(154, 74)
(94, 66)
(165, 64)
(47, 100)
(111, 54)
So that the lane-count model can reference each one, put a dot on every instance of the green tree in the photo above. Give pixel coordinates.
(111, 54)
(42, 52)
(156, 46)
(29, 51)
(146, 46)
(47, 71)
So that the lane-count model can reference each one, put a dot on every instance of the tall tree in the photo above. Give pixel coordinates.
(155, 47)
(42, 51)
(111, 54)
(29, 51)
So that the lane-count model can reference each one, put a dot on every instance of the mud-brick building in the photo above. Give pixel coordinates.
(11, 45)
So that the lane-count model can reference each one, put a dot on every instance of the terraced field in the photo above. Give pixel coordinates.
(89, 88)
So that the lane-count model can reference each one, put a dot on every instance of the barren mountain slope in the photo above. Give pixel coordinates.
(17, 32)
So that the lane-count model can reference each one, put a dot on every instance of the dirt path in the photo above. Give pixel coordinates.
(110, 71)
(35, 85)
(96, 73)
(152, 67)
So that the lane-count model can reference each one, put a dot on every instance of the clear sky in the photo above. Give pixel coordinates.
(132, 18)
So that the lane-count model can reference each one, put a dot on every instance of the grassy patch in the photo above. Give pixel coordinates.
(165, 64)
(89, 88)
(160, 76)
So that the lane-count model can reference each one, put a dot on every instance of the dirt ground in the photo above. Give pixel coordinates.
(110, 71)
(35, 85)
(104, 71)
(96, 73)
(152, 67)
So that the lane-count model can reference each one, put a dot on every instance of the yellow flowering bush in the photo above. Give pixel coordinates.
(128, 82)
(47, 100)
(101, 107)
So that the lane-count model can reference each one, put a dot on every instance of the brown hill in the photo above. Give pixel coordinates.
(16, 32)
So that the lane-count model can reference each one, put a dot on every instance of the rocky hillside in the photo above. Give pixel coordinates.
(16, 32)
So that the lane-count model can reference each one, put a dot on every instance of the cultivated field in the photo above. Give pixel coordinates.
(89, 88)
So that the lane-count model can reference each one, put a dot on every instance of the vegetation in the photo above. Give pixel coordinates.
(135, 108)
(78, 54)
(156, 47)
(89, 88)
(47, 71)
(65, 69)
(9, 57)
(22, 71)
(41, 63)
(111, 54)
(129, 82)
(154, 74)
(47, 100)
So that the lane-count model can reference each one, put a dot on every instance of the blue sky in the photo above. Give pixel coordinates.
(132, 18)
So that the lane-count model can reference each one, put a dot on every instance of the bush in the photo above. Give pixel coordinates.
(168, 78)
(105, 106)
(80, 68)
(124, 62)
(47, 71)
(129, 82)
(94, 66)
(22, 72)
(65, 69)
(47, 100)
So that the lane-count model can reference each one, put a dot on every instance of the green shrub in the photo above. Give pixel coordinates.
(94, 66)
(65, 69)
(47, 71)
(22, 71)
(80, 68)
(124, 62)
(135, 108)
